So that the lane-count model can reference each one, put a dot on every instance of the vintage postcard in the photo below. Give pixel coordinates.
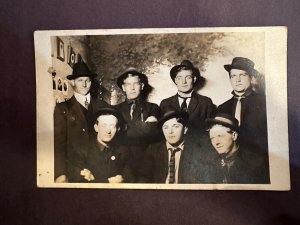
(180, 108)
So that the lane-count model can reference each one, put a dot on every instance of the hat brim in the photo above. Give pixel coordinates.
(74, 76)
(251, 72)
(210, 122)
(174, 114)
(120, 79)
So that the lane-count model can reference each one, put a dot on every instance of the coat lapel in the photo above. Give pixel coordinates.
(76, 108)
(193, 104)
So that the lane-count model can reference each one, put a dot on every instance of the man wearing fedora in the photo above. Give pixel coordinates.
(72, 121)
(235, 163)
(104, 160)
(141, 116)
(175, 159)
(186, 77)
(247, 106)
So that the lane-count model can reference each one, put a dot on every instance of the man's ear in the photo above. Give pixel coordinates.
(72, 82)
(185, 130)
(142, 86)
(96, 127)
(234, 135)
(123, 87)
(194, 79)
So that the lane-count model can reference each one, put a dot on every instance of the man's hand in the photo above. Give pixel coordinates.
(116, 179)
(61, 179)
(151, 119)
(87, 175)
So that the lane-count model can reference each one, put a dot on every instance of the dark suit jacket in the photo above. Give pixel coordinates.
(72, 130)
(192, 165)
(253, 129)
(199, 109)
(104, 164)
(247, 167)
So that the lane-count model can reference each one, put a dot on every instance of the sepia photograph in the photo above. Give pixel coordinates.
(180, 108)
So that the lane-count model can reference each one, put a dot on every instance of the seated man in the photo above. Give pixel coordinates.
(175, 159)
(106, 161)
(235, 164)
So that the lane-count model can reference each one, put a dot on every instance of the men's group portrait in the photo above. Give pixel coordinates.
(185, 138)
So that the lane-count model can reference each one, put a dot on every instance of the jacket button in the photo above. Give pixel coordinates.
(83, 130)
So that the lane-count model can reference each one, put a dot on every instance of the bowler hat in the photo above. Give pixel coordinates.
(111, 111)
(80, 69)
(187, 65)
(131, 72)
(242, 64)
(224, 120)
(173, 114)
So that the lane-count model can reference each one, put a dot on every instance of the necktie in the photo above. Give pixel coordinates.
(238, 109)
(86, 103)
(225, 178)
(184, 103)
(172, 165)
(133, 105)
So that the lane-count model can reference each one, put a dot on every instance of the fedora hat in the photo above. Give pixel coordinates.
(187, 65)
(131, 72)
(225, 120)
(111, 111)
(80, 69)
(173, 114)
(242, 63)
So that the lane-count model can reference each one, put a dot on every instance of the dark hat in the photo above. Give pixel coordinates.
(225, 120)
(242, 64)
(80, 69)
(111, 111)
(173, 114)
(133, 72)
(187, 65)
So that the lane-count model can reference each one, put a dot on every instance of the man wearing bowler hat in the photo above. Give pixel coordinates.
(73, 123)
(141, 116)
(175, 159)
(235, 163)
(186, 77)
(247, 106)
(106, 160)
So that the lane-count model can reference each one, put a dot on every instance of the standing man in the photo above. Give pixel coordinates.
(235, 164)
(106, 161)
(73, 122)
(186, 77)
(141, 116)
(175, 159)
(248, 107)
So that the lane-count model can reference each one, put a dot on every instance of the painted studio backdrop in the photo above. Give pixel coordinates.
(155, 54)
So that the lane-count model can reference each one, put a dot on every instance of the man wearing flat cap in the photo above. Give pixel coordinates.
(235, 163)
(176, 159)
(104, 159)
(73, 123)
(141, 116)
(186, 77)
(247, 106)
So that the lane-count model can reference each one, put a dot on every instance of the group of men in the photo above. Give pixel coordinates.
(184, 140)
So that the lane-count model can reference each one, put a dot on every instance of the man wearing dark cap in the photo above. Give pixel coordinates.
(235, 164)
(72, 122)
(247, 106)
(186, 77)
(105, 160)
(141, 116)
(176, 159)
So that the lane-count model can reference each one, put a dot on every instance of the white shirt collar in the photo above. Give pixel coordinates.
(82, 98)
(181, 146)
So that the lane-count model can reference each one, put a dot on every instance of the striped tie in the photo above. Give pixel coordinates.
(172, 165)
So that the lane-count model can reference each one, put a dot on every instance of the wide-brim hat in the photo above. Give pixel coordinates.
(173, 114)
(223, 119)
(131, 72)
(111, 111)
(80, 69)
(187, 65)
(242, 63)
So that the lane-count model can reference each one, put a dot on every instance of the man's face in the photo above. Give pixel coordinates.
(173, 131)
(82, 85)
(106, 128)
(184, 81)
(222, 138)
(240, 80)
(132, 87)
